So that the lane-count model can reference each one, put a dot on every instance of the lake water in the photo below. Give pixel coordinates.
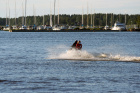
(43, 62)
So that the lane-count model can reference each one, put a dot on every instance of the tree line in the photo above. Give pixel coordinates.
(76, 19)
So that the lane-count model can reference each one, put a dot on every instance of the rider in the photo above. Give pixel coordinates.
(74, 44)
(79, 45)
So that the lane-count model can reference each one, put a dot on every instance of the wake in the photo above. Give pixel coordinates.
(86, 56)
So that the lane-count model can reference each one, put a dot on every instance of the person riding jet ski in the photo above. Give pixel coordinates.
(77, 45)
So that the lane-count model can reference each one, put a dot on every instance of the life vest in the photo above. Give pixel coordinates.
(78, 46)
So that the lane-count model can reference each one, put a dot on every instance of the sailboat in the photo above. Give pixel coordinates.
(94, 19)
(7, 28)
(106, 27)
(82, 26)
(56, 27)
(24, 27)
(51, 16)
(14, 27)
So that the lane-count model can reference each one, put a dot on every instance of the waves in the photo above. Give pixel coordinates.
(86, 56)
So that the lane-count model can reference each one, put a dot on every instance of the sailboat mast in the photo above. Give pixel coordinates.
(82, 16)
(54, 11)
(9, 17)
(22, 15)
(50, 15)
(9, 13)
(15, 13)
(111, 19)
(34, 14)
(58, 12)
(6, 13)
(87, 14)
(119, 18)
(125, 18)
(43, 20)
(106, 19)
(91, 16)
(25, 10)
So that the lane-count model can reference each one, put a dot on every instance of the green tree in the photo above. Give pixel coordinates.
(138, 20)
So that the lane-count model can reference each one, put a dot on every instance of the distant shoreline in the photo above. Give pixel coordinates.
(138, 30)
(70, 31)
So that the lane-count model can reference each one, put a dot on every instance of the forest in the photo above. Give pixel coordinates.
(76, 19)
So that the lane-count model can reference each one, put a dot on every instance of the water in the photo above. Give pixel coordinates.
(42, 62)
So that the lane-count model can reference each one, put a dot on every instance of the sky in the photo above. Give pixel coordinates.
(43, 7)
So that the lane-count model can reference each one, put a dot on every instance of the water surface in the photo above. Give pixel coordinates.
(42, 63)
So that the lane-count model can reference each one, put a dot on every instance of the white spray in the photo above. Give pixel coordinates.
(64, 53)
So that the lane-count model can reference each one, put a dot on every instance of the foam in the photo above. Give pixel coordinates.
(83, 55)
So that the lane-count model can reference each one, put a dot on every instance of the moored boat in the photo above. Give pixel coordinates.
(56, 27)
(119, 26)
(7, 28)
(23, 27)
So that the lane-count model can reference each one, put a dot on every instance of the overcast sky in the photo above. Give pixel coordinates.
(42, 7)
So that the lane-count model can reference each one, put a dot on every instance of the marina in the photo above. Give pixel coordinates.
(89, 21)
(71, 31)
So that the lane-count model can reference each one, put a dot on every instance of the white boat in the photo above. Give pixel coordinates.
(7, 28)
(23, 28)
(47, 27)
(14, 27)
(40, 27)
(63, 27)
(56, 27)
(106, 27)
(119, 26)
(70, 28)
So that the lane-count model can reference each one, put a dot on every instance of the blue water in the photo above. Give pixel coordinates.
(42, 63)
